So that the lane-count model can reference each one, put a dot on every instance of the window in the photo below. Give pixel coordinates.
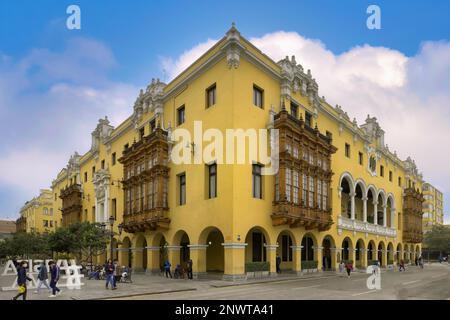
(152, 125)
(114, 208)
(257, 181)
(294, 110)
(325, 196)
(150, 195)
(296, 187)
(360, 158)
(45, 223)
(182, 188)
(180, 115)
(390, 176)
(103, 164)
(141, 133)
(211, 96)
(381, 171)
(51, 223)
(277, 187)
(85, 215)
(93, 171)
(295, 152)
(319, 194)
(46, 211)
(258, 95)
(311, 192)
(304, 188)
(399, 181)
(57, 195)
(308, 119)
(347, 150)
(212, 181)
(85, 179)
(113, 158)
(93, 214)
(126, 146)
(288, 185)
(51, 211)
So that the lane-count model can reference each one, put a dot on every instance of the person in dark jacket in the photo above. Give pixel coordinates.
(109, 271)
(167, 266)
(189, 268)
(278, 263)
(349, 268)
(42, 278)
(22, 280)
(54, 278)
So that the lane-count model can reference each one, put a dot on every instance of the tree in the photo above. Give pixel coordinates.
(25, 245)
(438, 239)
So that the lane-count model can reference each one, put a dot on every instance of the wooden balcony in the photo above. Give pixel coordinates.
(146, 220)
(300, 216)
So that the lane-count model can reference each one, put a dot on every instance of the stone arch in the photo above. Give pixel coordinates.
(309, 245)
(360, 255)
(125, 256)
(381, 257)
(181, 242)
(406, 254)
(328, 253)
(390, 253)
(390, 210)
(285, 240)
(399, 253)
(381, 200)
(371, 252)
(347, 249)
(140, 253)
(346, 190)
(256, 238)
(371, 196)
(360, 197)
(160, 254)
(213, 238)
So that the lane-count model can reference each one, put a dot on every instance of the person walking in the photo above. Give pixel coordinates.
(189, 269)
(109, 272)
(402, 266)
(420, 262)
(22, 280)
(54, 278)
(117, 273)
(167, 266)
(341, 268)
(349, 268)
(42, 278)
(278, 263)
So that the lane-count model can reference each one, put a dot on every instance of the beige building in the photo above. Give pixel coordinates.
(433, 207)
(7, 228)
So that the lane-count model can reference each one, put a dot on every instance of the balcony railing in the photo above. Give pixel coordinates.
(365, 227)
(147, 220)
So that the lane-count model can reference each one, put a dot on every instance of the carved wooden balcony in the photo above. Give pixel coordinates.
(412, 216)
(71, 197)
(146, 220)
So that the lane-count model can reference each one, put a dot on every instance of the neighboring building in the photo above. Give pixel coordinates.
(37, 215)
(340, 193)
(433, 207)
(7, 228)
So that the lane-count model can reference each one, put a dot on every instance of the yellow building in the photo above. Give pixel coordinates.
(38, 215)
(433, 207)
(340, 193)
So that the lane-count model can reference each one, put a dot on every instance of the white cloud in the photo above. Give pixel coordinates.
(410, 96)
(50, 102)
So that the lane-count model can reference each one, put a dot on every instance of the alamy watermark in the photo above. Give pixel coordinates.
(73, 22)
(374, 20)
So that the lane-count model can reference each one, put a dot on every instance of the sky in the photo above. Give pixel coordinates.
(56, 83)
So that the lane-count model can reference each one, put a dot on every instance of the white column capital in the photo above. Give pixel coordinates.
(271, 246)
(198, 246)
(234, 245)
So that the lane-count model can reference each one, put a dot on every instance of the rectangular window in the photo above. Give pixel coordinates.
(308, 119)
(182, 189)
(93, 214)
(141, 133)
(294, 110)
(103, 164)
(113, 158)
(93, 171)
(304, 189)
(311, 192)
(45, 223)
(85, 215)
(56, 196)
(150, 195)
(211, 96)
(288, 185)
(258, 95)
(51, 223)
(114, 208)
(212, 181)
(180, 115)
(296, 187)
(347, 150)
(257, 181)
(319, 194)
(295, 152)
(152, 125)
(85, 178)
(277, 187)
(325, 196)
(382, 171)
(360, 158)
(399, 181)
(390, 176)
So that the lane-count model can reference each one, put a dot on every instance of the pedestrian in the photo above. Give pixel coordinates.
(42, 278)
(402, 266)
(22, 280)
(421, 262)
(189, 269)
(117, 273)
(278, 263)
(167, 266)
(177, 272)
(109, 272)
(415, 261)
(349, 268)
(54, 278)
(341, 267)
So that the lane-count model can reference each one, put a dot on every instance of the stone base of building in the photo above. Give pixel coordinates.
(234, 277)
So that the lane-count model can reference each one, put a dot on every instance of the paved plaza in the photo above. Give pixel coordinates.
(433, 282)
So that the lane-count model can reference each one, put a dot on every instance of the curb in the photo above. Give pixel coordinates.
(137, 294)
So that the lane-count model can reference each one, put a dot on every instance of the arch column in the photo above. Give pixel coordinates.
(153, 260)
(198, 256)
(272, 258)
(364, 199)
(363, 258)
(334, 262)
(375, 212)
(174, 255)
(384, 215)
(136, 261)
(352, 199)
(297, 258)
(234, 253)
(318, 256)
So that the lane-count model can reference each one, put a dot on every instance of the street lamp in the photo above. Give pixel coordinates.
(111, 234)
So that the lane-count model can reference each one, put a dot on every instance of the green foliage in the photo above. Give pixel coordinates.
(257, 266)
(438, 239)
(309, 265)
(25, 245)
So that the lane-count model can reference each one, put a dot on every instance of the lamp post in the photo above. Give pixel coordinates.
(111, 234)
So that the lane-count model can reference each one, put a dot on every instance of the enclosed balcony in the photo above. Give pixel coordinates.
(412, 216)
(71, 204)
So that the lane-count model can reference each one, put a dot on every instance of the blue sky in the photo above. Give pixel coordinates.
(56, 80)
